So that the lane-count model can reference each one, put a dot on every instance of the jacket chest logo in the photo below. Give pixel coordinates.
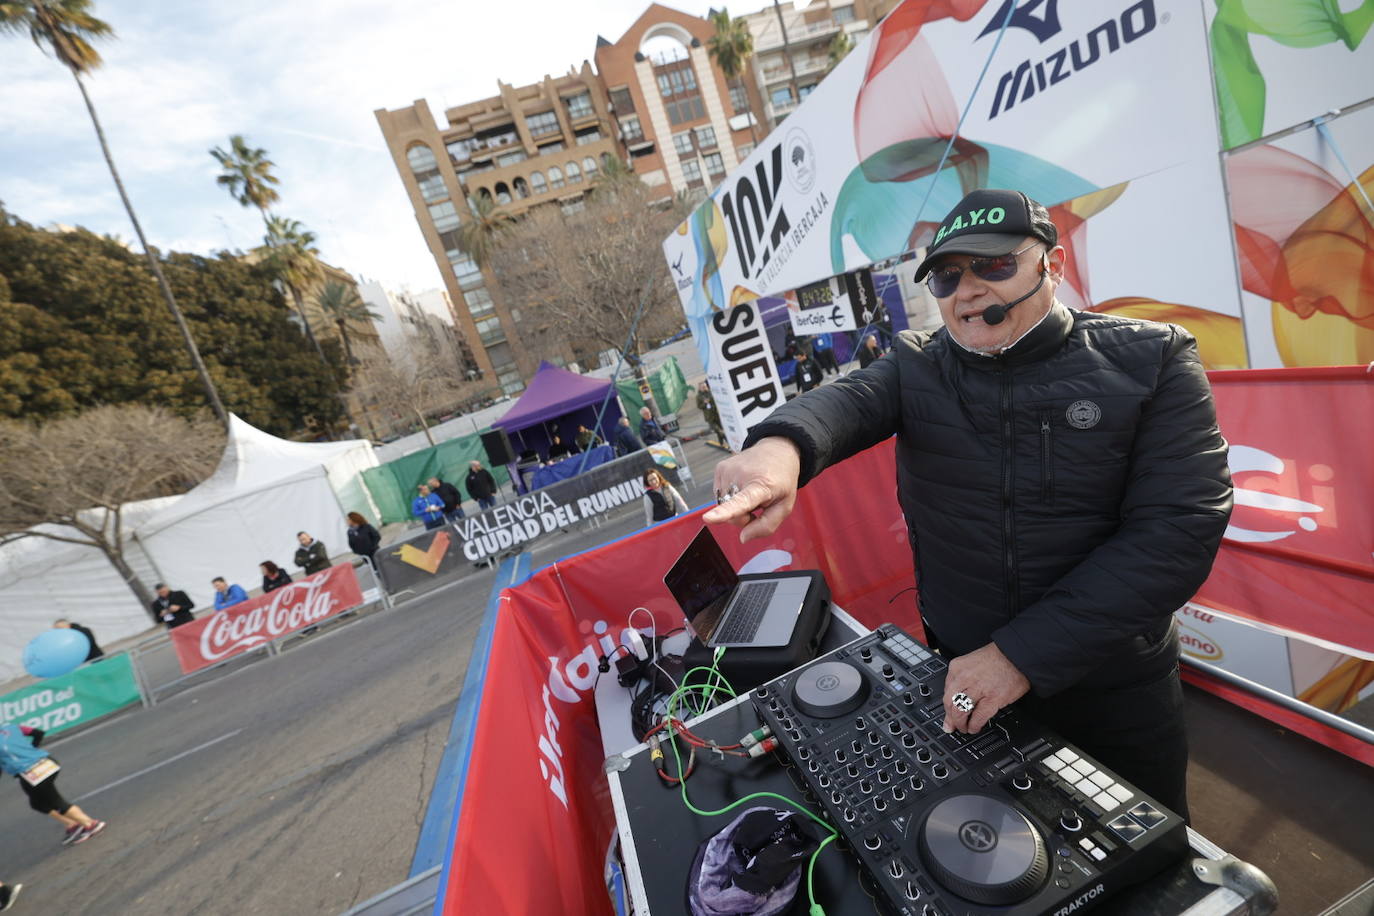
(1083, 414)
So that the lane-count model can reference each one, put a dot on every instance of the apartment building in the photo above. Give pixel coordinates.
(792, 46)
(525, 146)
(684, 125)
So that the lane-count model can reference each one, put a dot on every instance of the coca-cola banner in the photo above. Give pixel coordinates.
(224, 634)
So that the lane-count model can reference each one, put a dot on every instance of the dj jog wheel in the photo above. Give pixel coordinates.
(984, 850)
(830, 689)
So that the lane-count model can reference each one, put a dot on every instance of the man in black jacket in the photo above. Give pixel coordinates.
(453, 500)
(94, 651)
(1063, 480)
(172, 608)
(481, 485)
(311, 555)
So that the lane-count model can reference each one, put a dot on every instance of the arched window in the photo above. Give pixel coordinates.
(574, 173)
(589, 166)
(502, 193)
(537, 183)
(555, 177)
(484, 193)
(607, 159)
(421, 159)
(522, 190)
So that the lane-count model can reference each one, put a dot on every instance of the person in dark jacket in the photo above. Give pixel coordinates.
(453, 499)
(171, 608)
(363, 539)
(626, 442)
(649, 430)
(95, 651)
(1064, 484)
(273, 576)
(808, 374)
(481, 485)
(869, 350)
(311, 555)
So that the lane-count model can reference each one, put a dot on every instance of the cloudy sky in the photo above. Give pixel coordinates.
(300, 78)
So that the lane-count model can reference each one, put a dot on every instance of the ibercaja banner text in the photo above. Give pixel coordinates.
(241, 627)
(60, 703)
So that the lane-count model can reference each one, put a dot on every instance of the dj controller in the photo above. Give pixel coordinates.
(1013, 821)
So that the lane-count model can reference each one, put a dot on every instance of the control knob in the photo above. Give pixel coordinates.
(923, 755)
(895, 869)
(939, 771)
(909, 741)
(860, 724)
(924, 689)
(888, 673)
(895, 727)
(872, 841)
(908, 699)
(898, 794)
(856, 746)
(1070, 821)
(852, 770)
(1021, 781)
(879, 804)
(869, 761)
(866, 654)
(883, 777)
(887, 752)
(901, 767)
(865, 786)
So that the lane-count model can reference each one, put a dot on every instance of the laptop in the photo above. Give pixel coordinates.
(724, 611)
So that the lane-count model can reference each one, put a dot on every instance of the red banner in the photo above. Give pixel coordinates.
(238, 628)
(1298, 550)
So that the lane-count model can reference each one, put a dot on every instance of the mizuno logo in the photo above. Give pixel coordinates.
(1043, 28)
(1030, 78)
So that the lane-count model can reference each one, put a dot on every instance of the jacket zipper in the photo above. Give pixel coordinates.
(1008, 486)
(1046, 458)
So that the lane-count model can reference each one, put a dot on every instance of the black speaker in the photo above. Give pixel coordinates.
(499, 450)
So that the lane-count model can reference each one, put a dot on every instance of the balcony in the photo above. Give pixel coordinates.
(798, 33)
(805, 67)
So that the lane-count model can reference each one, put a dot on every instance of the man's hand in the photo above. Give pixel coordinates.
(987, 678)
(764, 480)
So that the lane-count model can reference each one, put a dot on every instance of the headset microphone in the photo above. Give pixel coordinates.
(996, 314)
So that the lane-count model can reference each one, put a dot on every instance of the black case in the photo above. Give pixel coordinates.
(745, 669)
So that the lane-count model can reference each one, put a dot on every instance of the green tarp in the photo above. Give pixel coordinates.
(668, 384)
(393, 484)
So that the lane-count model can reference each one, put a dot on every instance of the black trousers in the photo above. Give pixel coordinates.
(44, 797)
(1138, 731)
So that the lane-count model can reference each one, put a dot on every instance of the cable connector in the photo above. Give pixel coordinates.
(755, 736)
(766, 746)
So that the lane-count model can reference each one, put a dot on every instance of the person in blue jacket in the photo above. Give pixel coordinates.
(428, 507)
(37, 771)
(226, 594)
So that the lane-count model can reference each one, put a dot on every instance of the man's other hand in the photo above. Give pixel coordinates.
(987, 678)
(763, 480)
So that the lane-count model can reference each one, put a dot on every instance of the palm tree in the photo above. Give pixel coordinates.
(840, 46)
(478, 234)
(731, 47)
(64, 28)
(292, 258)
(614, 174)
(341, 303)
(247, 175)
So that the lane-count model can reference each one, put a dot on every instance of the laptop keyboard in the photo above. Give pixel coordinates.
(747, 614)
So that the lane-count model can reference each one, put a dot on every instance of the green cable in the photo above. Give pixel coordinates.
(816, 909)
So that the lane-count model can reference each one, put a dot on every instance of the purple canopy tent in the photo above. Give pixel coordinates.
(558, 401)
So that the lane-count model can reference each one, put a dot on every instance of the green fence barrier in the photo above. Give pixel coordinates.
(668, 384)
(60, 703)
(393, 484)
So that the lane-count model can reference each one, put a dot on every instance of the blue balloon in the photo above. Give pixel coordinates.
(56, 652)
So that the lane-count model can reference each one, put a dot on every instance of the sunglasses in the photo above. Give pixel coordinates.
(943, 281)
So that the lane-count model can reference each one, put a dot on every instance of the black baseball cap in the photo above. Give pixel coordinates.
(989, 222)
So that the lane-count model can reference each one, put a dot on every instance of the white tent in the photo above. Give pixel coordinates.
(264, 491)
(42, 580)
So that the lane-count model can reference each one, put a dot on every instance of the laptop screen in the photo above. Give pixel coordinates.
(701, 580)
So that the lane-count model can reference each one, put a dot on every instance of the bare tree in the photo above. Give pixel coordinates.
(75, 474)
(580, 274)
(431, 378)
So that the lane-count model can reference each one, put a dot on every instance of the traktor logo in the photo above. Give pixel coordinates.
(1244, 459)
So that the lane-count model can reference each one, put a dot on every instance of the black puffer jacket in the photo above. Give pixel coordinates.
(1062, 499)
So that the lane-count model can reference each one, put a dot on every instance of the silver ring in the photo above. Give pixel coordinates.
(729, 494)
(963, 702)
